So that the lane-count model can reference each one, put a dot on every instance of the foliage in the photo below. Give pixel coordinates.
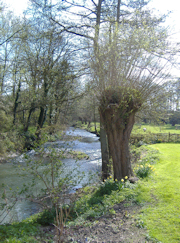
(143, 159)
(19, 232)
(26, 231)
(46, 217)
(11, 141)
(6, 121)
(174, 118)
(124, 99)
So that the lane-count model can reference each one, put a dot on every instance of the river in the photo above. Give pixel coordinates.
(88, 143)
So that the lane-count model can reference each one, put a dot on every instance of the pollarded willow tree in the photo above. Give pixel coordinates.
(128, 51)
(134, 56)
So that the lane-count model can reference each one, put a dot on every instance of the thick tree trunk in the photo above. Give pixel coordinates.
(117, 110)
(118, 133)
(42, 117)
(28, 119)
(104, 153)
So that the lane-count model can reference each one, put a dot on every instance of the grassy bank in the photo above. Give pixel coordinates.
(161, 216)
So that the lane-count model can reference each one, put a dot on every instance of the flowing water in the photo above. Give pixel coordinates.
(88, 143)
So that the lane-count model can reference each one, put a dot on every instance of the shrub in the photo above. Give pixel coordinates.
(143, 171)
(47, 216)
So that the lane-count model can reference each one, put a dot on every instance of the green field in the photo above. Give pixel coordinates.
(138, 129)
(162, 215)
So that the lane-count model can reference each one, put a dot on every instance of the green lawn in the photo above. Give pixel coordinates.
(162, 216)
(137, 129)
(155, 129)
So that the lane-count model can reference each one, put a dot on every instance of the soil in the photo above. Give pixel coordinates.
(120, 227)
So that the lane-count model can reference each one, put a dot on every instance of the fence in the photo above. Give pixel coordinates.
(155, 138)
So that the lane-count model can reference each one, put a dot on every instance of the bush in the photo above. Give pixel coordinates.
(6, 121)
(46, 217)
(143, 171)
(175, 118)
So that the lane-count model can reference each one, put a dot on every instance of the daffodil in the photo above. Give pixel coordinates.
(125, 177)
(116, 180)
(122, 180)
(110, 177)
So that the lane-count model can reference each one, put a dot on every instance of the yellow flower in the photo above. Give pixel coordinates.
(116, 180)
(126, 177)
(141, 166)
(110, 177)
(122, 180)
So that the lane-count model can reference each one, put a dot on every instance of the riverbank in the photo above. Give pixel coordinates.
(15, 142)
(108, 209)
(77, 152)
(9, 156)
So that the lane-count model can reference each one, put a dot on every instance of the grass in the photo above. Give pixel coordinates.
(162, 215)
(27, 231)
(168, 128)
(137, 129)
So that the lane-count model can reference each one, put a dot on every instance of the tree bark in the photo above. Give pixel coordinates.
(117, 110)
(16, 102)
(118, 132)
(104, 153)
(28, 119)
(42, 117)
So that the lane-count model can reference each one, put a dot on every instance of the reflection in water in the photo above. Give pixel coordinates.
(88, 143)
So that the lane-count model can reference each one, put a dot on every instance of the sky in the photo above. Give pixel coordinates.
(162, 6)
(16, 5)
